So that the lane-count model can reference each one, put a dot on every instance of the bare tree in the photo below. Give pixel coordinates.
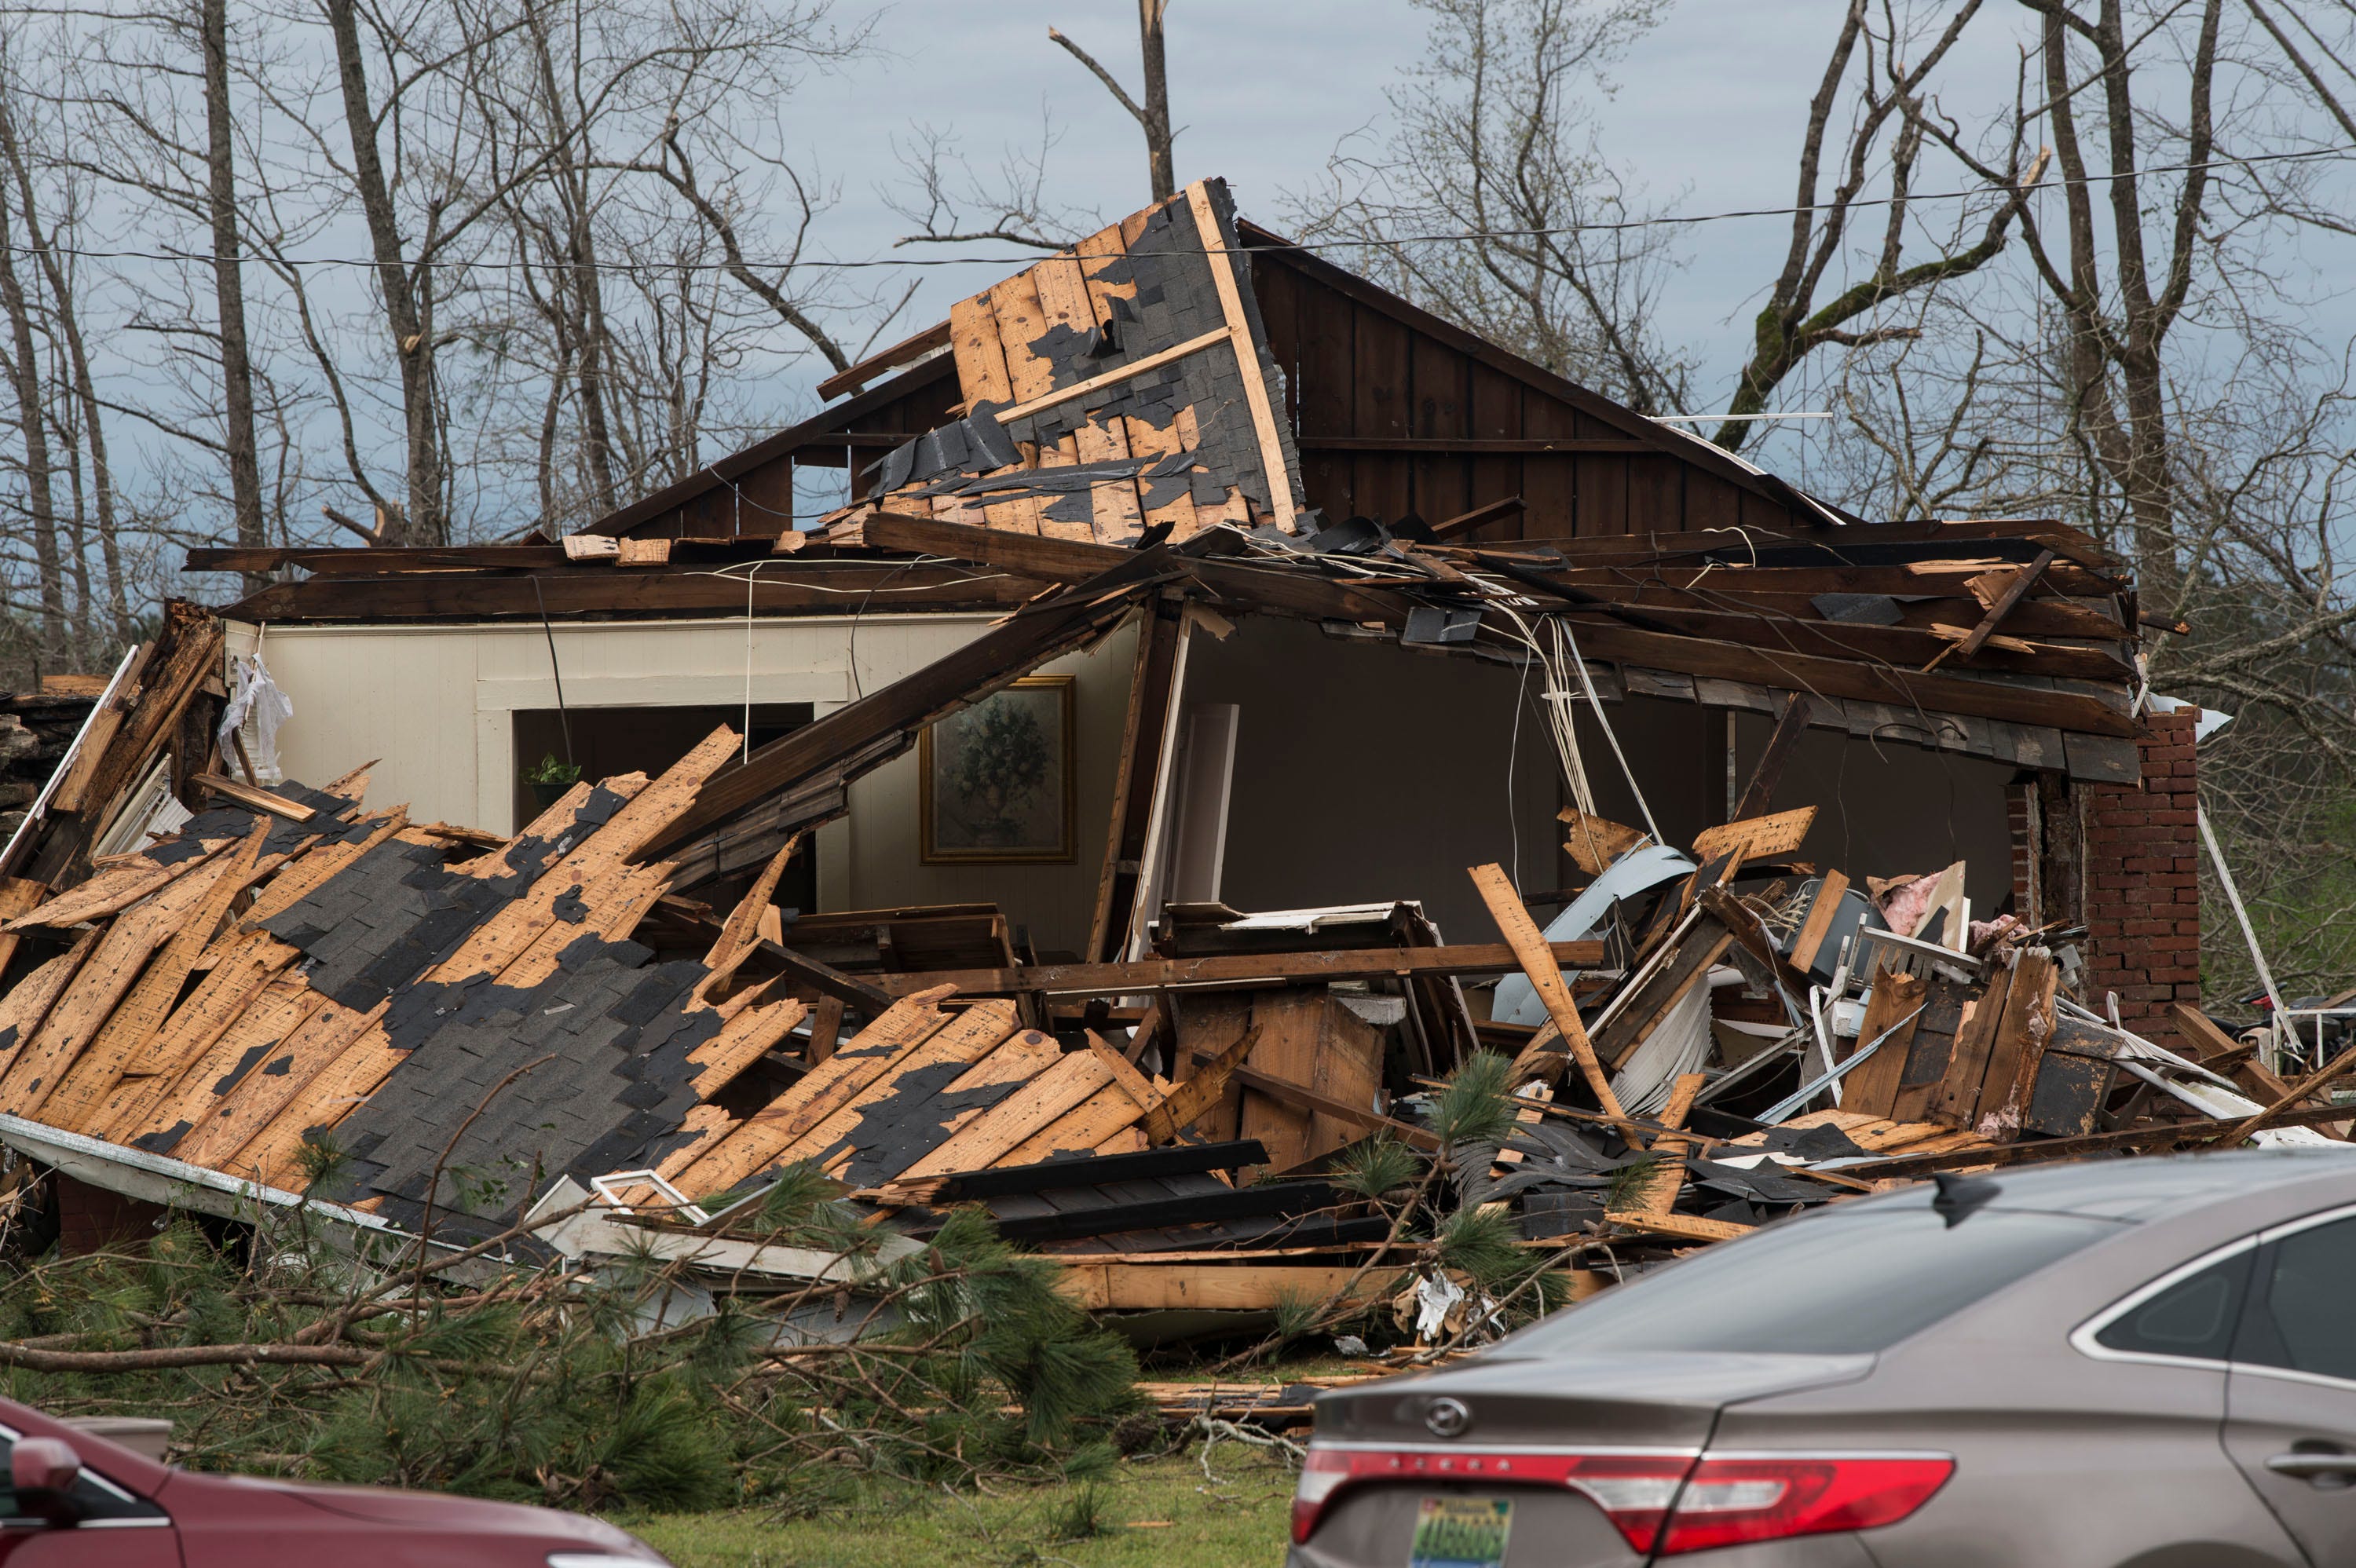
(1489, 202)
(1793, 325)
(229, 282)
(24, 365)
(952, 204)
(1152, 116)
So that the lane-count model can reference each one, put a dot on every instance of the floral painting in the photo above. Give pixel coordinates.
(998, 778)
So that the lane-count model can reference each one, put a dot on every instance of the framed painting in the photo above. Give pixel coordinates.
(997, 779)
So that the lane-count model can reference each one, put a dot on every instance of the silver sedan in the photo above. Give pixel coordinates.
(2145, 1362)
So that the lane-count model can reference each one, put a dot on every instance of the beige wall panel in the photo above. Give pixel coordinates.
(437, 704)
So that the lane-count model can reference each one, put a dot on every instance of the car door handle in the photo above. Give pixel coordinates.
(2311, 1464)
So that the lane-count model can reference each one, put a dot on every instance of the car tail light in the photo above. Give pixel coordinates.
(1730, 1499)
(1667, 1499)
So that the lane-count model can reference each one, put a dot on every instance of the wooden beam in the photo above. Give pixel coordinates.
(257, 799)
(744, 924)
(1309, 1100)
(1760, 791)
(1234, 969)
(1950, 576)
(1537, 961)
(829, 981)
(1830, 892)
(819, 586)
(2022, 581)
(1786, 671)
(1147, 1286)
(1479, 517)
(1198, 1091)
(912, 347)
(1476, 445)
(1239, 333)
(2155, 1137)
(1113, 377)
(1152, 690)
(1703, 946)
(1683, 1227)
(1278, 588)
(2314, 1083)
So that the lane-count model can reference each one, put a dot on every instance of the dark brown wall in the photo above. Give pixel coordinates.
(1396, 414)
(1395, 418)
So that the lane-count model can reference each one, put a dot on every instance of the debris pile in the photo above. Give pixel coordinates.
(605, 1036)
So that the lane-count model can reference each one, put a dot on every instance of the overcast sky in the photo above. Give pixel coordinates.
(1709, 113)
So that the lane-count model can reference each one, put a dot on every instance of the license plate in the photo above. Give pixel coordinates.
(1461, 1532)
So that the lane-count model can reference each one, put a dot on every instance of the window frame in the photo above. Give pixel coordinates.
(157, 1519)
(2083, 1337)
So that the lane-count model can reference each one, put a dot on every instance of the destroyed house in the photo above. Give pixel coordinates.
(1196, 614)
(1287, 751)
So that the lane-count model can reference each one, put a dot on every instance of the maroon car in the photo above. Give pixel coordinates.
(80, 1499)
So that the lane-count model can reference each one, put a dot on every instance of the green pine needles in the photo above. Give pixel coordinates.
(639, 1388)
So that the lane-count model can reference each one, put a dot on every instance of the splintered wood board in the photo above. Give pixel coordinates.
(1147, 1286)
(107, 973)
(741, 1041)
(1756, 837)
(23, 1009)
(241, 968)
(981, 1142)
(200, 901)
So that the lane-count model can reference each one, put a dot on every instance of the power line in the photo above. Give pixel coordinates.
(1028, 258)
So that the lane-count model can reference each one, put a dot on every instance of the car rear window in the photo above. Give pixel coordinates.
(1835, 1284)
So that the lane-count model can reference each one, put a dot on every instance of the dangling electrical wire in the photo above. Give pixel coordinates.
(1559, 698)
(556, 671)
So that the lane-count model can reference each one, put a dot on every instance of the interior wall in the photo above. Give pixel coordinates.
(438, 705)
(1889, 809)
(1881, 809)
(1366, 771)
(1055, 902)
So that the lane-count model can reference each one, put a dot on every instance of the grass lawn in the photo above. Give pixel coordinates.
(1155, 1511)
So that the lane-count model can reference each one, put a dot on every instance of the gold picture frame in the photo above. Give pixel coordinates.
(997, 780)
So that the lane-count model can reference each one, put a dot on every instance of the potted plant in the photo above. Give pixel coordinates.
(550, 779)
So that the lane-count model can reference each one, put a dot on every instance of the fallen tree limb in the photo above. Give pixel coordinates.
(174, 1356)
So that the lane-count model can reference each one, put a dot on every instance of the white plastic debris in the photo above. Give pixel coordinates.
(1435, 1297)
(256, 709)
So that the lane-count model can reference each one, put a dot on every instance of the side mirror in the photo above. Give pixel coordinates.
(43, 1471)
